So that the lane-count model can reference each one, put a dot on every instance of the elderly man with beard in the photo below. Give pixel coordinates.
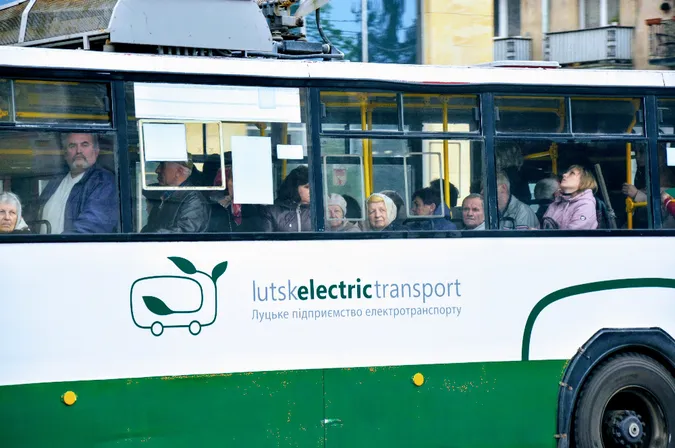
(85, 199)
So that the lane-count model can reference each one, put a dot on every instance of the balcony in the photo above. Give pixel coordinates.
(606, 47)
(661, 42)
(512, 49)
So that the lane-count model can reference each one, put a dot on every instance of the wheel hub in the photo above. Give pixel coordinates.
(625, 428)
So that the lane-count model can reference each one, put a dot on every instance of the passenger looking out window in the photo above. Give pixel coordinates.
(513, 214)
(437, 184)
(85, 199)
(509, 159)
(574, 206)
(337, 209)
(427, 202)
(544, 192)
(10, 214)
(381, 212)
(228, 216)
(290, 212)
(177, 211)
(473, 212)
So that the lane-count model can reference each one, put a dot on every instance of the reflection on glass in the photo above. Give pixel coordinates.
(530, 114)
(62, 102)
(666, 116)
(5, 103)
(440, 113)
(360, 110)
(607, 116)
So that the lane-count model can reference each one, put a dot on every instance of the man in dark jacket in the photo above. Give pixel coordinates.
(178, 210)
(427, 202)
(85, 199)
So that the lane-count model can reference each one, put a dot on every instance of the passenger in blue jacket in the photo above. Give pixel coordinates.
(85, 199)
(427, 203)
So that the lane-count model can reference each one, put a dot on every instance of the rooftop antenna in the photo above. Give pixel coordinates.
(290, 44)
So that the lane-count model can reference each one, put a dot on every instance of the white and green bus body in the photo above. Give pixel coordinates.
(425, 339)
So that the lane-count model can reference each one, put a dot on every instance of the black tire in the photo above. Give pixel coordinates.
(622, 389)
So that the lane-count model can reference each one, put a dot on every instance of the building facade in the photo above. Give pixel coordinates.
(621, 34)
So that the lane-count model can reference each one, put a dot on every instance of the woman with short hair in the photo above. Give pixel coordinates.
(574, 206)
(10, 214)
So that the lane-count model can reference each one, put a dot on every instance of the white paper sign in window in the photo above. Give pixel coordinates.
(217, 103)
(165, 142)
(290, 152)
(252, 170)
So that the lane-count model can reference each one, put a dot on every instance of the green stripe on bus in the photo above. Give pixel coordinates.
(583, 289)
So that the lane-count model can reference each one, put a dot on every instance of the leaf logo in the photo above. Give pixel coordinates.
(159, 302)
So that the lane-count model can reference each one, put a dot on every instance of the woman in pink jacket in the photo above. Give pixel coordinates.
(574, 205)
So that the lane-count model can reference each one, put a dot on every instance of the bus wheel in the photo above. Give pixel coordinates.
(157, 328)
(195, 327)
(628, 401)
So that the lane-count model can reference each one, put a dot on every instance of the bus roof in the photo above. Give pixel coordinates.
(20, 57)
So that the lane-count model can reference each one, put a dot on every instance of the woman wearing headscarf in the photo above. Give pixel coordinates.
(336, 210)
(381, 213)
(290, 212)
(10, 214)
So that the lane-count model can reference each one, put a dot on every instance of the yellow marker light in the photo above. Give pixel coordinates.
(418, 379)
(69, 398)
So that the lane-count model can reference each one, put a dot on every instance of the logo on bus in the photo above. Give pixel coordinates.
(176, 301)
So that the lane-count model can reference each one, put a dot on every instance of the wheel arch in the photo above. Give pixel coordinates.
(653, 342)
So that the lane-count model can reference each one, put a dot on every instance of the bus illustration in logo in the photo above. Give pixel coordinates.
(175, 301)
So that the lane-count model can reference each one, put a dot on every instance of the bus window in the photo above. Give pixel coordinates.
(65, 182)
(667, 183)
(530, 114)
(5, 101)
(440, 113)
(607, 115)
(666, 116)
(57, 102)
(218, 158)
(572, 186)
(391, 174)
(359, 111)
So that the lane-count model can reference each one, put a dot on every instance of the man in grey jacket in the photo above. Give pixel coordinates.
(513, 214)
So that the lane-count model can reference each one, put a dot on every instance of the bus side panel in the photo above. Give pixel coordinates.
(509, 404)
(253, 410)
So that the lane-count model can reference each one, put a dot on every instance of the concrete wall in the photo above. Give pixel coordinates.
(457, 32)
(638, 11)
(530, 26)
(563, 15)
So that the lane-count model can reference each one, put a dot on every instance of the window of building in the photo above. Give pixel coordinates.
(507, 18)
(596, 13)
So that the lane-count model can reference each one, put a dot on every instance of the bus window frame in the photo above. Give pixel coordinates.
(111, 126)
(141, 153)
(486, 134)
